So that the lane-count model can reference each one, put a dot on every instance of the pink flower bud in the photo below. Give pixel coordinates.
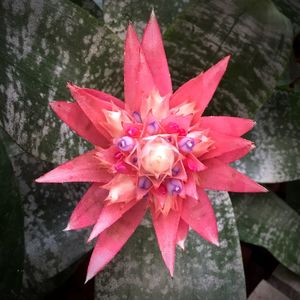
(133, 131)
(172, 127)
(121, 168)
(118, 155)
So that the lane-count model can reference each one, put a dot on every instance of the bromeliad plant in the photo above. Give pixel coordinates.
(154, 151)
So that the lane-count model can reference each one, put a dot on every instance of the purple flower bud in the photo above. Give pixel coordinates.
(126, 143)
(144, 183)
(152, 127)
(175, 171)
(186, 145)
(134, 160)
(136, 115)
(174, 186)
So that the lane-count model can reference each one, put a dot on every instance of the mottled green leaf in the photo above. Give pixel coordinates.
(11, 230)
(202, 271)
(267, 221)
(99, 3)
(293, 195)
(47, 207)
(44, 44)
(93, 7)
(291, 78)
(117, 14)
(277, 138)
(254, 32)
(291, 8)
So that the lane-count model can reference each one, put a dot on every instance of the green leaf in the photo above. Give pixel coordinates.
(117, 14)
(254, 32)
(277, 138)
(45, 44)
(11, 230)
(293, 195)
(93, 7)
(266, 220)
(291, 8)
(47, 207)
(202, 271)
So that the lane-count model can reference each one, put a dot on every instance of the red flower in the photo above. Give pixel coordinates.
(155, 151)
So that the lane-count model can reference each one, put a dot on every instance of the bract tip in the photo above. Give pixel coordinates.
(67, 228)
(152, 15)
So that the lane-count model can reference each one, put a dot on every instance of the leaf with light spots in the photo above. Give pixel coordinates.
(47, 209)
(255, 33)
(266, 220)
(291, 78)
(202, 270)
(45, 44)
(293, 195)
(11, 230)
(93, 7)
(117, 13)
(277, 138)
(291, 9)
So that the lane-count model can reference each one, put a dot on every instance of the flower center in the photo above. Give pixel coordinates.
(157, 158)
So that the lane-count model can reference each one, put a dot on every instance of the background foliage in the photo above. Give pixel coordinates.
(44, 44)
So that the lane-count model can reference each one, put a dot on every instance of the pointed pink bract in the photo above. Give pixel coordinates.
(110, 214)
(190, 187)
(182, 232)
(227, 125)
(225, 143)
(166, 227)
(75, 118)
(138, 79)
(131, 66)
(88, 209)
(234, 155)
(104, 97)
(199, 214)
(145, 83)
(200, 89)
(112, 239)
(92, 107)
(83, 168)
(154, 51)
(219, 176)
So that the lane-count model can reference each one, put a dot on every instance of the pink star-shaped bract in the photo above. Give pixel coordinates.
(155, 151)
